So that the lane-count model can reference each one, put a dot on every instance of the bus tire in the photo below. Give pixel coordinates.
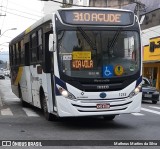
(48, 116)
(23, 103)
(154, 102)
(109, 117)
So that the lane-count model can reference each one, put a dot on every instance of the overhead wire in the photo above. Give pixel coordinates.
(53, 1)
(20, 15)
(4, 45)
(40, 16)
(7, 36)
(4, 16)
(22, 6)
(21, 11)
(87, 6)
(1, 2)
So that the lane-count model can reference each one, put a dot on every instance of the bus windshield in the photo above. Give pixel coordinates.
(98, 54)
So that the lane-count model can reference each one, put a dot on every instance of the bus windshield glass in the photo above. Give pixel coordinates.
(98, 54)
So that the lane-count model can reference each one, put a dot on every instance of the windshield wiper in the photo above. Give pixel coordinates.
(114, 39)
(87, 38)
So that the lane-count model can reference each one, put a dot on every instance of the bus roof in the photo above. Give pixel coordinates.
(32, 27)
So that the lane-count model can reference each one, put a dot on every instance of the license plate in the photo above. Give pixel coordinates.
(103, 106)
(148, 95)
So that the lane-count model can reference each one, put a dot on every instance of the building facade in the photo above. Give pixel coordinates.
(109, 3)
(102, 3)
(81, 2)
(151, 61)
(50, 6)
(151, 47)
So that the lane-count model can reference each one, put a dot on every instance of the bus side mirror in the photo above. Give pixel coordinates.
(51, 43)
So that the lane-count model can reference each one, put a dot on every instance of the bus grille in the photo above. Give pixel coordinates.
(93, 108)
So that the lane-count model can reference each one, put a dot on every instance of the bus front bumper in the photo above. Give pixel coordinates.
(90, 107)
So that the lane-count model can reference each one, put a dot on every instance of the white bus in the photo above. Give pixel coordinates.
(79, 62)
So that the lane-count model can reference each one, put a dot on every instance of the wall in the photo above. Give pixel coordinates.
(109, 3)
(50, 7)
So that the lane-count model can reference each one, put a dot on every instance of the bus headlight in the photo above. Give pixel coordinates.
(66, 94)
(135, 91)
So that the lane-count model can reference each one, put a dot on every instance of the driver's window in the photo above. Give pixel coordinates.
(129, 47)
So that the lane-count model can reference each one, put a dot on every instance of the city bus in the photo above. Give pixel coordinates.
(79, 62)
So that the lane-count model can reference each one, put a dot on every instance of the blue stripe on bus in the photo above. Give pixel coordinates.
(139, 80)
(60, 83)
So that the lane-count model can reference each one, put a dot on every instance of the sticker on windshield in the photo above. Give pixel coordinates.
(67, 57)
(132, 67)
(81, 55)
(107, 71)
(119, 70)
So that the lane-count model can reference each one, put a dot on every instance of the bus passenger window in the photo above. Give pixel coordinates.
(27, 60)
(14, 55)
(33, 47)
(11, 55)
(22, 53)
(39, 49)
(19, 53)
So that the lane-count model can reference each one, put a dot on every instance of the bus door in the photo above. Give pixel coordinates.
(35, 66)
(26, 86)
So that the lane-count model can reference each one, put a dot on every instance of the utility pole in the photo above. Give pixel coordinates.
(0, 16)
(139, 7)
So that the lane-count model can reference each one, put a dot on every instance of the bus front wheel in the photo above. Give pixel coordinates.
(109, 117)
(48, 116)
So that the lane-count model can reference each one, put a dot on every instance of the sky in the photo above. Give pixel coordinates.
(20, 14)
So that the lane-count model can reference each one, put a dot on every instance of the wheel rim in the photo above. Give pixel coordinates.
(45, 106)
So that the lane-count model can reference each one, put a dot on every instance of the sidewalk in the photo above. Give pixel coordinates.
(6, 92)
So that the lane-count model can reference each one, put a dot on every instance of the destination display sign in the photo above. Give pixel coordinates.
(97, 17)
(81, 55)
(79, 64)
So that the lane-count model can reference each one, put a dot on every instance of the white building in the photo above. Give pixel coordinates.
(81, 2)
(50, 6)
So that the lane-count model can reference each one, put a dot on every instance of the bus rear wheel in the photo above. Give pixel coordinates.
(24, 104)
(154, 102)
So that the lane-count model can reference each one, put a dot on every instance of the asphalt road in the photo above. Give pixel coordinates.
(18, 123)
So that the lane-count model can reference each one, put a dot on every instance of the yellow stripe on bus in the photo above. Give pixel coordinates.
(20, 70)
(27, 30)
